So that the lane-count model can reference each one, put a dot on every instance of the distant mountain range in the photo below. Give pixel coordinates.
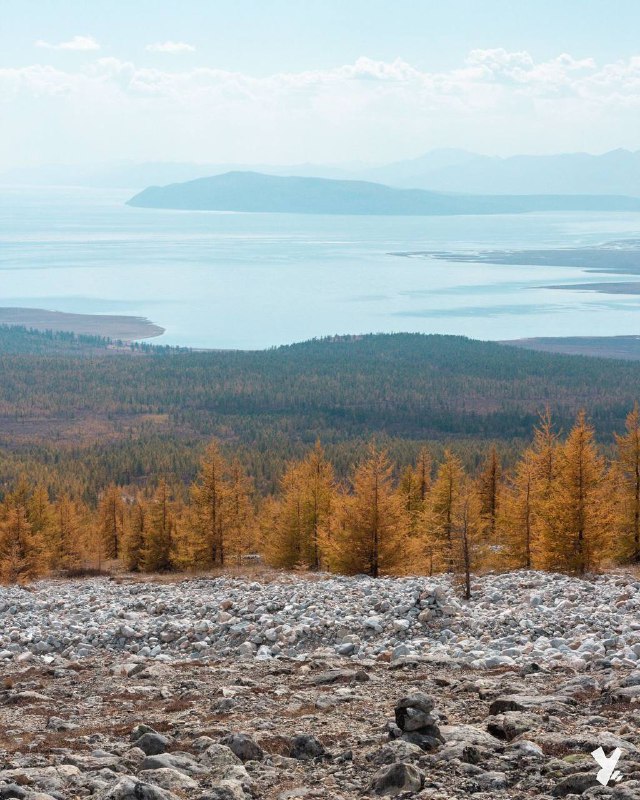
(446, 170)
(253, 191)
(616, 172)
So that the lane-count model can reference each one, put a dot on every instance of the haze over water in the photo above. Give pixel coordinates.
(256, 280)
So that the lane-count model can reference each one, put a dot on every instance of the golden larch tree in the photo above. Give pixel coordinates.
(134, 535)
(111, 513)
(282, 521)
(159, 535)
(240, 513)
(300, 519)
(627, 482)
(65, 545)
(21, 556)
(414, 486)
(489, 489)
(206, 529)
(578, 517)
(370, 530)
(518, 529)
(439, 516)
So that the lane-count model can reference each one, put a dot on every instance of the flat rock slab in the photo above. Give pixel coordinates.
(332, 676)
(469, 735)
(525, 702)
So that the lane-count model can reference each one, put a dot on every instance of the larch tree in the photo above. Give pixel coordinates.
(627, 474)
(414, 486)
(489, 488)
(208, 518)
(544, 458)
(578, 517)
(111, 513)
(319, 489)
(64, 542)
(40, 512)
(134, 535)
(21, 556)
(369, 534)
(159, 531)
(468, 535)
(517, 525)
(301, 517)
(440, 514)
(284, 540)
(239, 512)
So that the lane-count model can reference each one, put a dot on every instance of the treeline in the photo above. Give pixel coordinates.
(562, 506)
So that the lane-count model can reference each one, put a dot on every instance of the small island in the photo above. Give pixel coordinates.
(256, 192)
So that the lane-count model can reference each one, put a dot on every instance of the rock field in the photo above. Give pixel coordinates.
(298, 686)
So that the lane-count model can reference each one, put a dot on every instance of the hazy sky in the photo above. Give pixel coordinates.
(286, 81)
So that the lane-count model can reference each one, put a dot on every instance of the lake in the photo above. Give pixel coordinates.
(257, 280)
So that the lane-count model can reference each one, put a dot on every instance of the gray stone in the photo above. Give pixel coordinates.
(243, 746)
(397, 779)
(152, 744)
(133, 789)
(304, 746)
(577, 783)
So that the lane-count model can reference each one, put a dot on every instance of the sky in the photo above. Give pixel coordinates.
(323, 81)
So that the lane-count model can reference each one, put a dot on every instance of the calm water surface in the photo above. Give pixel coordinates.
(255, 280)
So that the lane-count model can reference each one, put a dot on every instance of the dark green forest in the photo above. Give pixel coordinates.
(86, 411)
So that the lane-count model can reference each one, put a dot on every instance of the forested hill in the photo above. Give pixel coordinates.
(256, 192)
(95, 414)
(402, 384)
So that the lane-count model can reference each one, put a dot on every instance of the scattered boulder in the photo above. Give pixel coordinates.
(133, 789)
(152, 744)
(243, 746)
(396, 779)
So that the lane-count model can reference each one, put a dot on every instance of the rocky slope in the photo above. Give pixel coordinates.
(296, 687)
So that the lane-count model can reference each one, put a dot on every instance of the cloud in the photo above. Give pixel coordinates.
(494, 101)
(170, 47)
(488, 79)
(78, 43)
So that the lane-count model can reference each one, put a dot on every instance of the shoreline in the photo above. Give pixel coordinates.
(625, 347)
(110, 326)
